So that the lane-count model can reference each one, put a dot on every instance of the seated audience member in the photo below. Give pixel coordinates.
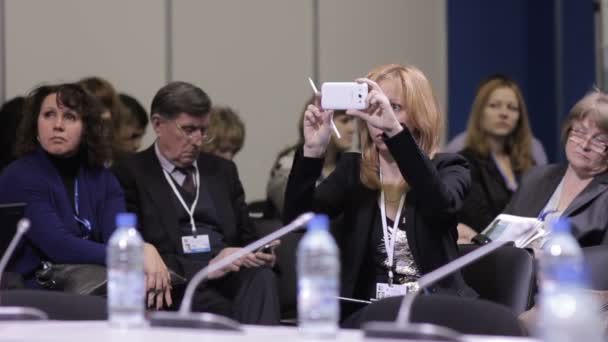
(10, 115)
(577, 189)
(275, 188)
(134, 125)
(498, 148)
(538, 151)
(105, 92)
(114, 113)
(72, 200)
(183, 196)
(227, 131)
(398, 197)
(458, 143)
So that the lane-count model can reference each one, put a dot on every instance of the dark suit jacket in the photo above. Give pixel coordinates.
(437, 191)
(151, 198)
(54, 234)
(489, 193)
(588, 212)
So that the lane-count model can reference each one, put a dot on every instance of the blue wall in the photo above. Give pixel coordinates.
(522, 38)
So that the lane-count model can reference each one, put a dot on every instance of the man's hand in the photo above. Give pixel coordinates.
(262, 257)
(233, 267)
(465, 234)
(158, 279)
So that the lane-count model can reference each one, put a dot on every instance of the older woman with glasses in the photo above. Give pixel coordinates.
(578, 189)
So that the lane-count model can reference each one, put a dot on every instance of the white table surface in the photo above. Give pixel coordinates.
(98, 331)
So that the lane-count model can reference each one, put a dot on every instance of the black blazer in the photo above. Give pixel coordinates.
(489, 194)
(588, 212)
(151, 198)
(437, 190)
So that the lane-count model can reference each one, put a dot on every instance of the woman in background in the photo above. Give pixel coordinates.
(114, 114)
(228, 132)
(499, 150)
(275, 188)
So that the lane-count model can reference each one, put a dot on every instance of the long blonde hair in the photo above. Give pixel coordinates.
(518, 143)
(422, 109)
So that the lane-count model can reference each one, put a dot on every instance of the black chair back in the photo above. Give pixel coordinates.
(465, 315)
(596, 259)
(506, 276)
(58, 305)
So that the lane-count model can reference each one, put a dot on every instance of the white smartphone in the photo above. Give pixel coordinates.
(343, 95)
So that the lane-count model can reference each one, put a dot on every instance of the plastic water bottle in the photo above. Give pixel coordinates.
(566, 311)
(318, 281)
(125, 260)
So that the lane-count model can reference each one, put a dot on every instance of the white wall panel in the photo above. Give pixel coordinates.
(65, 40)
(254, 56)
(357, 35)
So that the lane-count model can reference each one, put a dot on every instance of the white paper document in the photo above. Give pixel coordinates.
(521, 230)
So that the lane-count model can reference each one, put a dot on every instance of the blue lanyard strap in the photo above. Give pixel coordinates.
(84, 222)
(544, 214)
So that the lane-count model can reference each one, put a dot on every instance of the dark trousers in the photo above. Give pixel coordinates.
(249, 296)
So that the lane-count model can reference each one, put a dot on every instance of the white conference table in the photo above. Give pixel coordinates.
(98, 331)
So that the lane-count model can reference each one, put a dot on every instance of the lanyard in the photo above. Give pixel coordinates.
(190, 210)
(86, 223)
(389, 239)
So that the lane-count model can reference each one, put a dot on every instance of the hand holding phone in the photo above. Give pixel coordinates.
(269, 247)
(380, 113)
(344, 95)
(266, 249)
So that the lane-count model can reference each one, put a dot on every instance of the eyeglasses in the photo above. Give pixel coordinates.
(581, 137)
(195, 132)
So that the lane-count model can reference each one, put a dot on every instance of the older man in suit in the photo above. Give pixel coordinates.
(191, 207)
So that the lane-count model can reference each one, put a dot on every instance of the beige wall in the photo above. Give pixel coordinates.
(370, 33)
(65, 40)
(252, 55)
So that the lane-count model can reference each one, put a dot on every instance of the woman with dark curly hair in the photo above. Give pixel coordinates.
(72, 199)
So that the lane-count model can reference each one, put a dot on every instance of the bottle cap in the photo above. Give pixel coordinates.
(126, 220)
(320, 221)
(560, 225)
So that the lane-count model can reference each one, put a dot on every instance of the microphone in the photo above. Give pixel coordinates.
(402, 328)
(12, 313)
(184, 318)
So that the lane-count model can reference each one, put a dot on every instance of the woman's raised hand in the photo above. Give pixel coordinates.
(317, 129)
(379, 112)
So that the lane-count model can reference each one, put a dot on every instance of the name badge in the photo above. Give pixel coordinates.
(196, 244)
(383, 290)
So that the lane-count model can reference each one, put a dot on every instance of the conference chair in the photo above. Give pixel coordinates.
(506, 276)
(58, 305)
(11, 280)
(465, 315)
(286, 262)
(596, 259)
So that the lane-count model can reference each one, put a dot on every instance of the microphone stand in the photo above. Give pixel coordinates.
(14, 313)
(184, 318)
(402, 328)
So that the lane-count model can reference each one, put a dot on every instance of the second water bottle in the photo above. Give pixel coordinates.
(318, 268)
